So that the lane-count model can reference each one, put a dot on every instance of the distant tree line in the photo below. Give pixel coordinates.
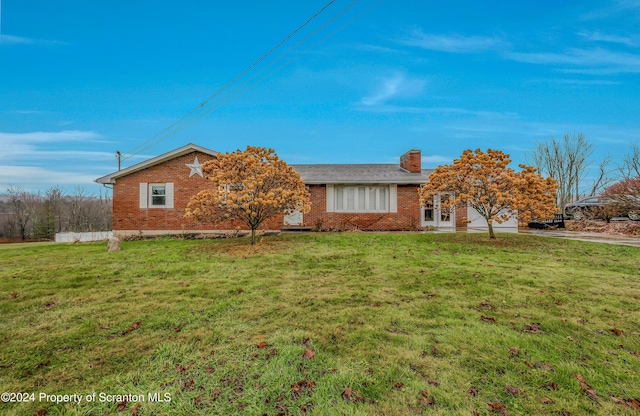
(26, 215)
(570, 160)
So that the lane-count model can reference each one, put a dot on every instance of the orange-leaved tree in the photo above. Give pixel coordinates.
(625, 197)
(494, 190)
(251, 187)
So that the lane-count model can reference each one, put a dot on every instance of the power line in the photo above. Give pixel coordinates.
(239, 91)
(204, 103)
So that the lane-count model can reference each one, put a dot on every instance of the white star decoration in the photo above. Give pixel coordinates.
(196, 168)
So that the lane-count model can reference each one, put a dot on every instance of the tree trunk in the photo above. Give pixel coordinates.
(253, 236)
(490, 224)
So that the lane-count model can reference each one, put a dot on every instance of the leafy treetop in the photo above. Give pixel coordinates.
(250, 186)
(494, 190)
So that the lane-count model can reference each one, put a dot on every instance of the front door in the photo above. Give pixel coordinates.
(433, 215)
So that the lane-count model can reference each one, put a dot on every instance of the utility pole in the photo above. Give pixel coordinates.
(118, 156)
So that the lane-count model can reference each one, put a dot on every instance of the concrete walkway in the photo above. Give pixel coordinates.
(593, 237)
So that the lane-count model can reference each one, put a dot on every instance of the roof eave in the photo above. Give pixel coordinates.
(365, 182)
(189, 148)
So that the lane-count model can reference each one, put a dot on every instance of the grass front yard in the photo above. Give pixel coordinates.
(323, 324)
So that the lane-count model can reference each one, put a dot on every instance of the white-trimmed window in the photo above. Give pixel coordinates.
(361, 198)
(156, 195)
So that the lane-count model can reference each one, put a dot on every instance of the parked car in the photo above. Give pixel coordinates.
(595, 207)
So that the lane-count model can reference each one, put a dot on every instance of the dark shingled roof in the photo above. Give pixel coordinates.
(359, 173)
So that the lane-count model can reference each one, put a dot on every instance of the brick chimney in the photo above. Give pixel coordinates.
(412, 161)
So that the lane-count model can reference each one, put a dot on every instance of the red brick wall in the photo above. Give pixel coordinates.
(407, 217)
(461, 216)
(127, 214)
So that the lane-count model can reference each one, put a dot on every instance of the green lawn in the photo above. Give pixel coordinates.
(323, 324)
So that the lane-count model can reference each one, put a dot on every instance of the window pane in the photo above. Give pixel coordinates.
(428, 212)
(351, 196)
(382, 206)
(361, 196)
(158, 195)
(372, 199)
(339, 199)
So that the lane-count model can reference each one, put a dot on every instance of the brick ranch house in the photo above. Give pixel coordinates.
(151, 197)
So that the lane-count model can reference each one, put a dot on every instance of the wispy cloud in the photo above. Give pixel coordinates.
(366, 47)
(592, 61)
(453, 43)
(49, 137)
(435, 160)
(395, 86)
(19, 40)
(79, 157)
(632, 41)
(27, 176)
(578, 82)
(612, 9)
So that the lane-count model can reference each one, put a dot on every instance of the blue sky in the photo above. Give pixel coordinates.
(80, 80)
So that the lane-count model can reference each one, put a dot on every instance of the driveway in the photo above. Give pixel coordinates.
(577, 235)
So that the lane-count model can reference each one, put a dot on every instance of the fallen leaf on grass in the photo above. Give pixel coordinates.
(197, 402)
(215, 394)
(430, 295)
(543, 366)
(262, 344)
(13, 295)
(586, 387)
(546, 400)
(473, 391)
(433, 382)
(398, 386)
(514, 391)
(349, 396)
(182, 369)
(306, 408)
(533, 329)
(301, 387)
(272, 353)
(551, 386)
(133, 327)
(43, 364)
(347, 393)
(497, 408)
(514, 351)
(488, 318)
(487, 305)
(305, 341)
(308, 355)
(617, 331)
(121, 406)
(426, 399)
(40, 412)
(632, 403)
